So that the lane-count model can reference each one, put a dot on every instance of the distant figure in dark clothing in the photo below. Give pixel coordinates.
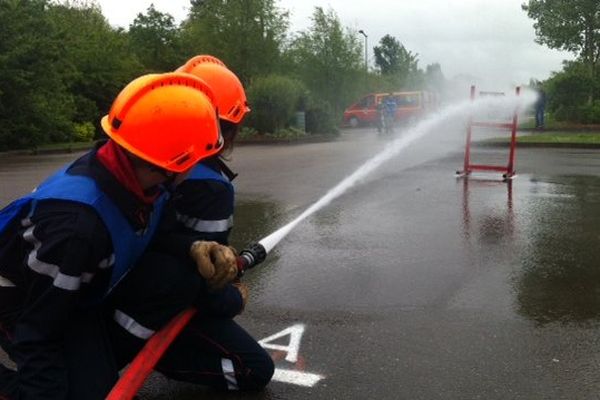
(380, 116)
(540, 104)
(389, 106)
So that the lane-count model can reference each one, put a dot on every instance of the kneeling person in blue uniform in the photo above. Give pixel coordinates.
(218, 351)
(67, 245)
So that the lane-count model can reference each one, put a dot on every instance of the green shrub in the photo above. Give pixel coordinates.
(287, 133)
(591, 113)
(247, 132)
(84, 132)
(585, 114)
(273, 100)
(320, 119)
(569, 94)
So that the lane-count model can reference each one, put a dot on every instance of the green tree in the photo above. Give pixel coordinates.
(434, 78)
(99, 58)
(155, 40)
(392, 58)
(248, 35)
(35, 103)
(328, 59)
(572, 25)
(568, 92)
(398, 66)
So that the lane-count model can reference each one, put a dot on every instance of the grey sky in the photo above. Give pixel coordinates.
(492, 40)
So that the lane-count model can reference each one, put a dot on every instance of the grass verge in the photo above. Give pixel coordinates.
(591, 139)
(561, 138)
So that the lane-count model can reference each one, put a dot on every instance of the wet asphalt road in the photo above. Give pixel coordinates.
(413, 284)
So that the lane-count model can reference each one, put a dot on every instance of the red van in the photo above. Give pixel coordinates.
(410, 106)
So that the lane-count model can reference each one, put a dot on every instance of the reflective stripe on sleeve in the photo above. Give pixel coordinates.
(132, 326)
(62, 281)
(206, 225)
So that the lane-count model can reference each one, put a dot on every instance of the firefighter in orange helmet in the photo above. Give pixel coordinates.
(68, 244)
(230, 97)
(217, 351)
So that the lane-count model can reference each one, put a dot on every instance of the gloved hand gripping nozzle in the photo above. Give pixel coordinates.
(251, 256)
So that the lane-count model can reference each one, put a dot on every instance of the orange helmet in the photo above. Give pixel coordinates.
(230, 98)
(166, 119)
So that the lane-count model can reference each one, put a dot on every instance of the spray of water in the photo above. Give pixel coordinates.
(396, 146)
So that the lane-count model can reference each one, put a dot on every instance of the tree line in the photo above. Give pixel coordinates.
(62, 64)
(574, 26)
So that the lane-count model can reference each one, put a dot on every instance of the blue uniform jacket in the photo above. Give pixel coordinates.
(128, 245)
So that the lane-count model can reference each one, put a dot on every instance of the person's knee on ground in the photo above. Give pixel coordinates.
(260, 375)
(251, 371)
(234, 372)
(218, 353)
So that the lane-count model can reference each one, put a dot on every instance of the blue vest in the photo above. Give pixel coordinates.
(128, 245)
(202, 172)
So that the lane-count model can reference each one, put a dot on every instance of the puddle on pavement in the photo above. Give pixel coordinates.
(253, 220)
(548, 229)
(559, 273)
(495, 222)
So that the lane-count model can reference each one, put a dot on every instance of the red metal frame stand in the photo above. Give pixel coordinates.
(508, 171)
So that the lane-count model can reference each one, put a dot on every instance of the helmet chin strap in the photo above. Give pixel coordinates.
(169, 176)
(225, 169)
(169, 184)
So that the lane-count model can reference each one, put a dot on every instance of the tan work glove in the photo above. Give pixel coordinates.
(244, 292)
(215, 262)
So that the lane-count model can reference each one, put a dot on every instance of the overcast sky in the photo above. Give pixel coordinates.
(492, 40)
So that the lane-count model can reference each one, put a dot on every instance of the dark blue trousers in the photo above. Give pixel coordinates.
(211, 350)
(89, 361)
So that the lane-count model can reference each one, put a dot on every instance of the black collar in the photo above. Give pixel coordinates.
(216, 163)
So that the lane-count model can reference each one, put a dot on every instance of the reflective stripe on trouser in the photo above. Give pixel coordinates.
(229, 374)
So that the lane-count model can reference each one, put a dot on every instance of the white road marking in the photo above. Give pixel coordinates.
(296, 377)
(292, 348)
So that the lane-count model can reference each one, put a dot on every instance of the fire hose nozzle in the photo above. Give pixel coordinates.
(251, 256)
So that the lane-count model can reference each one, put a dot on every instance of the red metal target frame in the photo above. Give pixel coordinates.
(508, 171)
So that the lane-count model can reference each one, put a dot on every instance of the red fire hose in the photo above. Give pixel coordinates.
(143, 364)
